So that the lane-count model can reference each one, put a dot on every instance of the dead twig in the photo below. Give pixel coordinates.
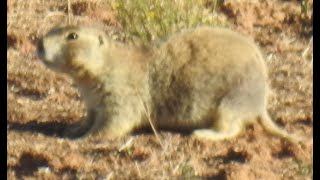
(149, 119)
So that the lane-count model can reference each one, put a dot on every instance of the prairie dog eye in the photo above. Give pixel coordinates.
(72, 36)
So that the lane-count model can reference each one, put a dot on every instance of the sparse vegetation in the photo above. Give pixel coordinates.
(145, 20)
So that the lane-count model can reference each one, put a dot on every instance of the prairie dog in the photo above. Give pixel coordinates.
(210, 80)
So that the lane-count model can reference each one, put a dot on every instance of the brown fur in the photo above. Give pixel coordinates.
(212, 80)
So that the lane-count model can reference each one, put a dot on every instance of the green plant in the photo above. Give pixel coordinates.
(304, 169)
(144, 21)
(188, 172)
(306, 16)
(305, 9)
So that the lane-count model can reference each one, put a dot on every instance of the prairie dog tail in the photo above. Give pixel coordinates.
(271, 127)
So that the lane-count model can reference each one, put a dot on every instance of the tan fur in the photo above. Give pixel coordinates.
(209, 79)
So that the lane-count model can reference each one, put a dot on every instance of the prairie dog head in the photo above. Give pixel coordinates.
(73, 50)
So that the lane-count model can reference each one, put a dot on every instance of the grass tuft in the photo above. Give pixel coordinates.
(144, 21)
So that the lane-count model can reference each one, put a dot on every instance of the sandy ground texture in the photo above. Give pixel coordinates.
(38, 97)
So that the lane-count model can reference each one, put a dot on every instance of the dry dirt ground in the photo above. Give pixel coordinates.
(38, 97)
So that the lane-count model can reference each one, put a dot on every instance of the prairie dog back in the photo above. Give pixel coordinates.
(198, 68)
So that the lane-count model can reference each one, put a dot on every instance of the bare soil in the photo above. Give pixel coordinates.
(38, 97)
